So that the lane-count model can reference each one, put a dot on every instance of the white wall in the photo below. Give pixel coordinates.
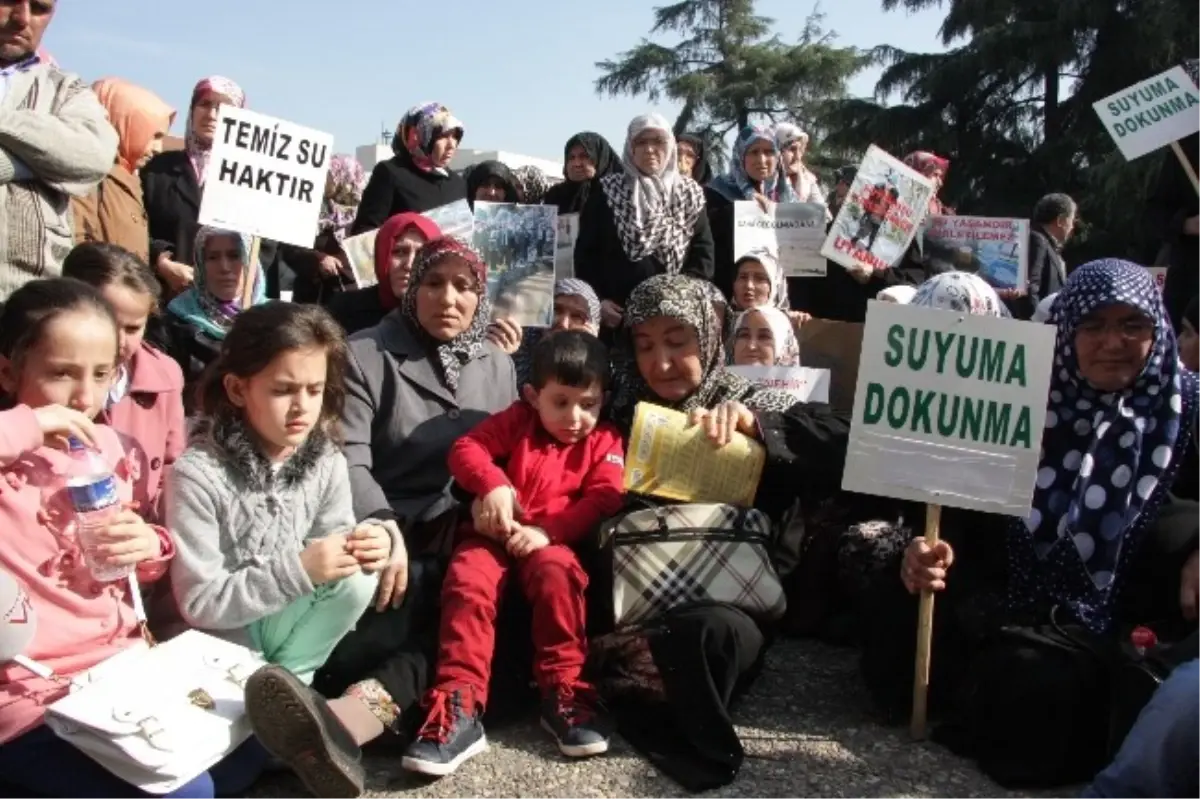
(371, 154)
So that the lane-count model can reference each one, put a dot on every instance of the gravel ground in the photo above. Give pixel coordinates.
(807, 729)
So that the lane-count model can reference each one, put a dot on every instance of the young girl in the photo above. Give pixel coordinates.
(260, 505)
(145, 402)
(58, 355)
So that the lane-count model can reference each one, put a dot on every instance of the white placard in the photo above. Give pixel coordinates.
(803, 383)
(266, 177)
(1151, 114)
(793, 232)
(949, 408)
(995, 248)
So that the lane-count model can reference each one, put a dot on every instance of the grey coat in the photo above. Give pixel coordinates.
(401, 419)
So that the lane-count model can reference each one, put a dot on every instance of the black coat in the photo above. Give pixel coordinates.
(1172, 204)
(357, 309)
(1047, 273)
(720, 221)
(397, 186)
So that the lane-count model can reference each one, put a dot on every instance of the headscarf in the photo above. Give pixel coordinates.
(570, 196)
(685, 300)
(136, 114)
(703, 170)
(532, 184)
(779, 293)
(566, 287)
(1044, 312)
(199, 306)
(960, 292)
(787, 348)
(480, 173)
(455, 353)
(655, 215)
(421, 126)
(1108, 458)
(901, 295)
(927, 163)
(348, 180)
(806, 184)
(197, 153)
(385, 240)
(787, 134)
(736, 184)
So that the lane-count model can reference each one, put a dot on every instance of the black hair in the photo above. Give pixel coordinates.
(573, 358)
(261, 334)
(101, 264)
(1052, 207)
(31, 308)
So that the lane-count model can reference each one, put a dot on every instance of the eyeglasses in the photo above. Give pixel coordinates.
(1127, 329)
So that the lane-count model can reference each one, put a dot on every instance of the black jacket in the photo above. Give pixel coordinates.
(1172, 204)
(1047, 273)
(720, 220)
(396, 186)
(357, 309)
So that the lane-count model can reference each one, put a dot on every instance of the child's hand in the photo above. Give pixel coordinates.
(370, 544)
(494, 516)
(328, 559)
(525, 541)
(127, 541)
(59, 423)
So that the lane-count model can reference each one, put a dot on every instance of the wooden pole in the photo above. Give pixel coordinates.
(252, 270)
(933, 518)
(1187, 165)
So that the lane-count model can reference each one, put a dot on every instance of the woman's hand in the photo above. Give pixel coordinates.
(371, 545)
(723, 421)
(1189, 587)
(328, 265)
(127, 541)
(178, 276)
(925, 568)
(765, 204)
(798, 318)
(611, 314)
(393, 580)
(505, 334)
(58, 423)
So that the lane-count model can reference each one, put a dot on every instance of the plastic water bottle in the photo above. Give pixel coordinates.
(93, 492)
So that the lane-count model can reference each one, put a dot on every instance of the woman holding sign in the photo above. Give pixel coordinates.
(1034, 610)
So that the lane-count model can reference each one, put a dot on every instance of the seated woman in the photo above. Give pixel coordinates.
(763, 337)
(697, 658)
(396, 247)
(576, 307)
(587, 156)
(647, 220)
(493, 182)
(1105, 546)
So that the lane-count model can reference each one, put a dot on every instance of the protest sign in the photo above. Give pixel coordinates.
(517, 243)
(1151, 114)
(995, 248)
(793, 232)
(1159, 273)
(265, 177)
(879, 219)
(949, 408)
(806, 385)
(834, 346)
(360, 253)
(564, 248)
(453, 219)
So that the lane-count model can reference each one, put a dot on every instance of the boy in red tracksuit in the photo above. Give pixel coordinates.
(561, 477)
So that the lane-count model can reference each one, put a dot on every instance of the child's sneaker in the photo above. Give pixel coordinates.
(576, 719)
(451, 735)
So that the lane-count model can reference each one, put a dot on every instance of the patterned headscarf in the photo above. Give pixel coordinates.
(199, 306)
(573, 195)
(927, 163)
(455, 353)
(421, 126)
(686, 300)
(567, 287)
(960, 292)
(347, 181)
(787, 348)
(532, 184)
(198, 153)
(136, 114)
(736, 184)
(655, 215)
(1108, 458)
(779, 294)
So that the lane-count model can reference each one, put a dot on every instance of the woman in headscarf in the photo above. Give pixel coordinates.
(646, 220)
(792, 142)
(418, 178)
(753, 174)
(115, 212)
(227, 283)
(396, 246)
(934, 167)
(763, 337)
(693, 158)
(324, 271)
(492, 182)
(576, 307)
(900, 295)
(1109, 543)
(758, 280)
(532, 184)
(586, 157)
(692, 661)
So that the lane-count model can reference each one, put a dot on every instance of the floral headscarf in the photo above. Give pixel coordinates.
(200, 307)
(655, 215)
(197, 153)
(566, 287)
(347, 179)
(686, 300)
(421, 126)
(779, 292)
(136, 114)
(1108, 458)
(787, 348)
(467, 345)
(960, 292)
(928, 163)
(385, 240)
(736, 184)
(532, 184)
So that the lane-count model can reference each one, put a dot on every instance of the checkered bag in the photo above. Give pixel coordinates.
(665, 556)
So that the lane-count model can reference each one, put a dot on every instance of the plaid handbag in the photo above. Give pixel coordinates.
(664, 556)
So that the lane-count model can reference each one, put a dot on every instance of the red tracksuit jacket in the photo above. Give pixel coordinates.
(565, 489)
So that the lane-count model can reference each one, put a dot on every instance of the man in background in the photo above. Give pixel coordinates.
(1052, 223)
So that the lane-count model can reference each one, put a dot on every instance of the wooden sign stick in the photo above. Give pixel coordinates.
(1187, 165)
(933, 519)
(252, 270)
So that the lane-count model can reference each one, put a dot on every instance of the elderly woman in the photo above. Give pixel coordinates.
(693, 158)
(1032, 611)
(323, 271)
(418, 178)
(576, 307)
(763, 337)
(792, 142)
(586, 156)
(646, 220)
(692, 661)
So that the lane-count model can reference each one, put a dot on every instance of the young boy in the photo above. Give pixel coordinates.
(561, 477)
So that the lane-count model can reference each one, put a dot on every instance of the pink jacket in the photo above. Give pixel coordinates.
(150, 420)
(79, 622)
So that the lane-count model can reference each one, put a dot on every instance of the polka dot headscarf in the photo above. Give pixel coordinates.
(1107, 458)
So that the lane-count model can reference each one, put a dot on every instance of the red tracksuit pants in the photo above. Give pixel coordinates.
(552, 581)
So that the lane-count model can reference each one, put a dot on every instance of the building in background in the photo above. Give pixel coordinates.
(371, 154)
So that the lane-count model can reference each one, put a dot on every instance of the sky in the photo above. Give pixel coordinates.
(518, 74)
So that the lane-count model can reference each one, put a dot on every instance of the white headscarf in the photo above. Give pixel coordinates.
(787, 347)
(779, 293)
(1044, 309)
(901, 295)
